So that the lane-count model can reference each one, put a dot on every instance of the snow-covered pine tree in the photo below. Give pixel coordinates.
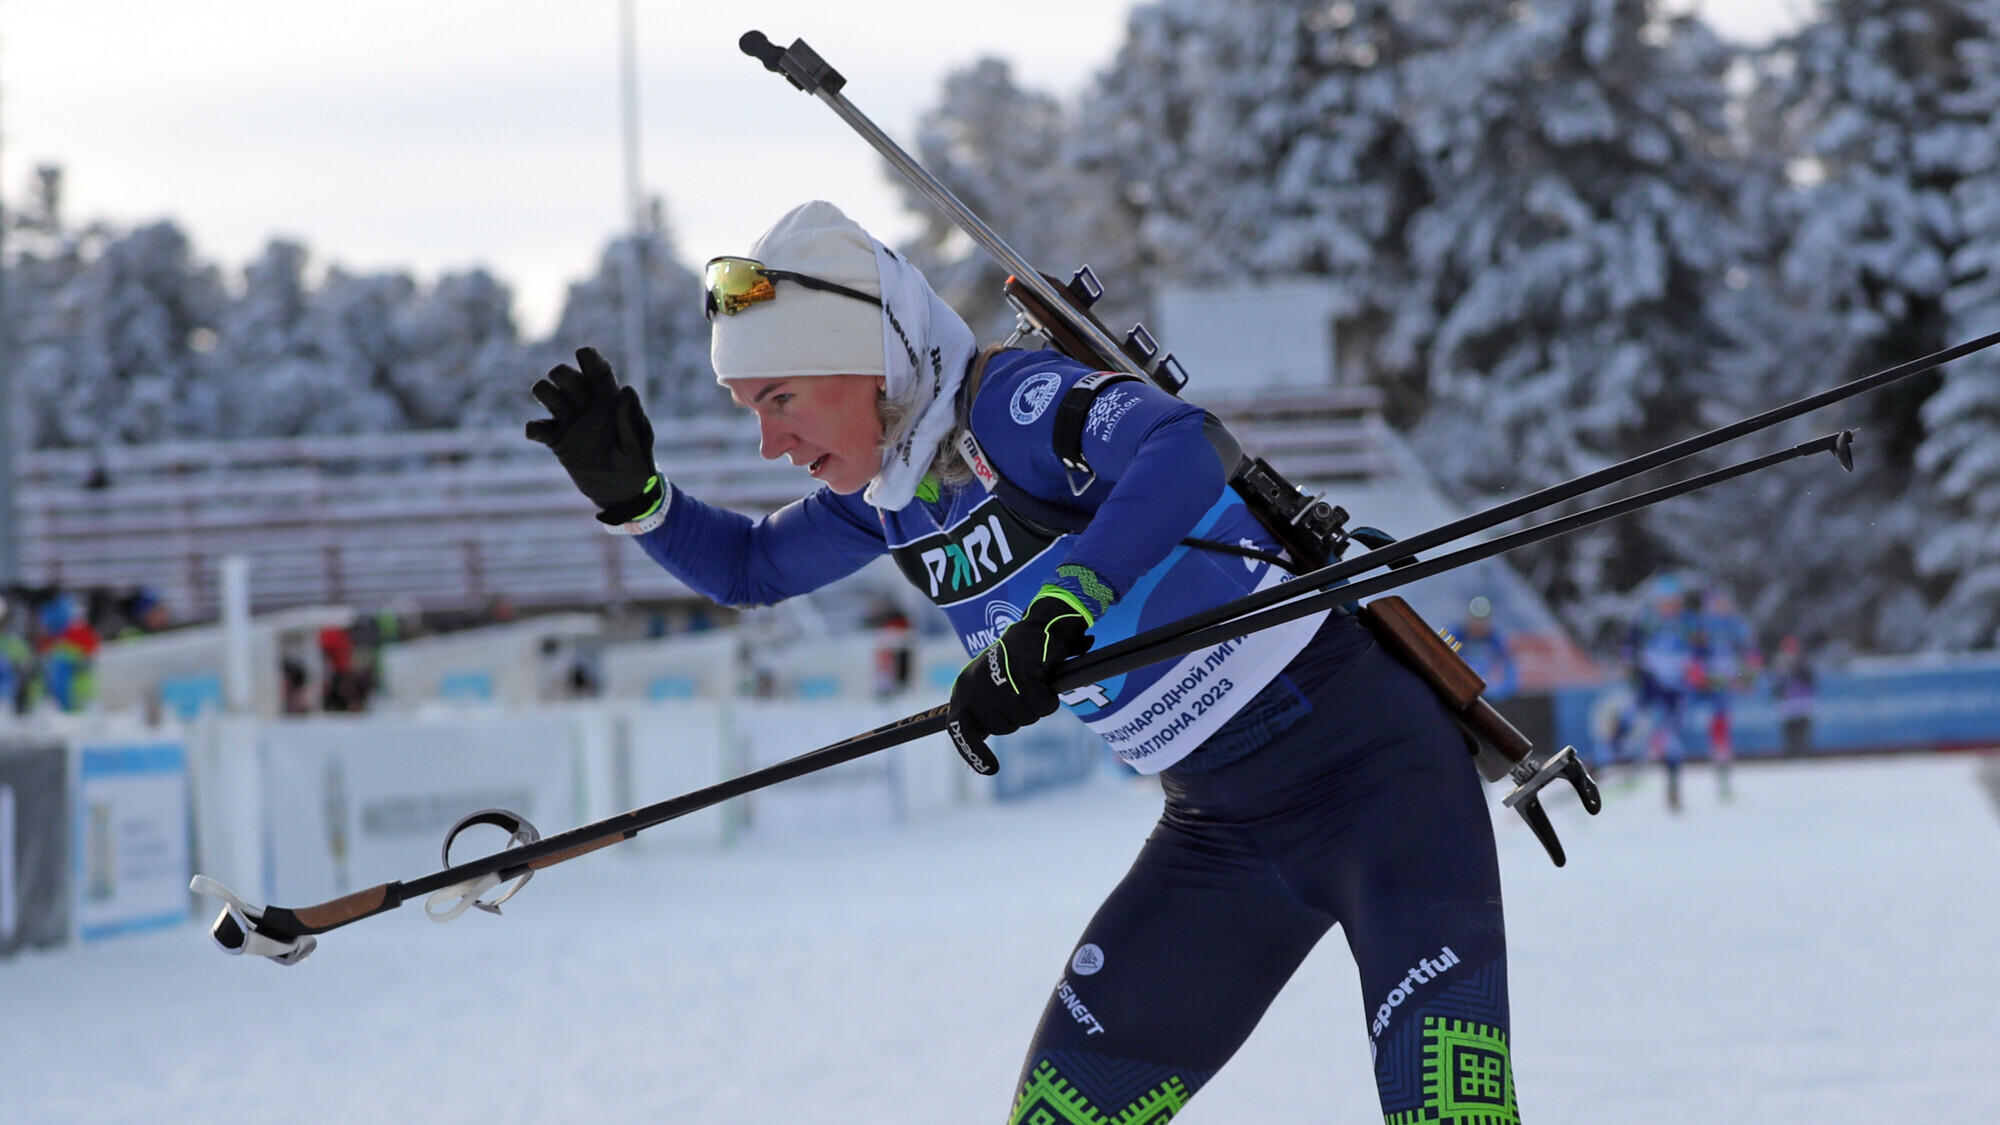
(358, 352)
(1258, 139)
(360, 325)
(467, 364)
(1583, 218)
(1791, 543)
(271, 375)
(109, 339)
(1764, 538)
(44, 260)
(1005, 151)
(676, 331)
(1960, 453)
(1878, 94)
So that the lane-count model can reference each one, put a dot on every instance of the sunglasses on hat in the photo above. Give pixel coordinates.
(734, 284)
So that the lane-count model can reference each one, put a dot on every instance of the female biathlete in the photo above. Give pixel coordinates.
(1309, 778)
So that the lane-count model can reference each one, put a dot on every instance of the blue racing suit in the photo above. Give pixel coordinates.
(1310, 778)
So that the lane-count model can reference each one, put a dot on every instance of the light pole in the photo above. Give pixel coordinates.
(10, 554)
(635, 207)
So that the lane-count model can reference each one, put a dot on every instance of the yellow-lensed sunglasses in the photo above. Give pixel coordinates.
(734, 284)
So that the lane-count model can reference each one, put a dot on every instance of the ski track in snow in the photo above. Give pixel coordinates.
(1817, 951)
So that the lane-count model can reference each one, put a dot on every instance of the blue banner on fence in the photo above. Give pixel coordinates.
(1916, 704)
(133, 850)
(1049, 755)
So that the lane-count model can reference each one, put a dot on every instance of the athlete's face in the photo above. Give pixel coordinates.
(828, 423)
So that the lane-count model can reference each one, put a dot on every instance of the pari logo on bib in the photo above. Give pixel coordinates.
(1033, 397)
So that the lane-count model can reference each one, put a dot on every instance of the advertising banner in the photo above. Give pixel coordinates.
(356, 803)
(131, 830)
(34, 847)
(1910, 705)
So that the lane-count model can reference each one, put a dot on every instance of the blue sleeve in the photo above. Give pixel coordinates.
(1157, 475)
(731, 559)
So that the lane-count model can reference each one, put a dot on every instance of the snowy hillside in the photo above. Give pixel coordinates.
(1807, 953)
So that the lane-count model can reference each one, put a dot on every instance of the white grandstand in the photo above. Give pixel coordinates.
(451, 520)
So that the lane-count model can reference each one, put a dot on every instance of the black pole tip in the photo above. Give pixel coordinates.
(759, 46)
(1843, 449)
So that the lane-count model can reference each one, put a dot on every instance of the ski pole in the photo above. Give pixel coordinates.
(1402, 550)
(1189, 636)
(803, 67)
(287, 935)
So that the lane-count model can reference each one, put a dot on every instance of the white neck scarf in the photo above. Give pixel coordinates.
(928, 348)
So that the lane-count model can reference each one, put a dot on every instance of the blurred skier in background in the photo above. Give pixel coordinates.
(1726, 661)
(1793, 684)
(1661, 651)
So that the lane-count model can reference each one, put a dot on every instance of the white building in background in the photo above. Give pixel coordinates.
(1242, 340)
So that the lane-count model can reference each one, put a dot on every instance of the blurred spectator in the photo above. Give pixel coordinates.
(586, 678)
(17, 662)
(297, 685)
(1485, 647)
(67, 647)
(1792, 683)
(892, 652)
(150, 612)
(345, 687)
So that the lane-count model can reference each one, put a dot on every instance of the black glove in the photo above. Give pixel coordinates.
(1006, 687)
(600, 434)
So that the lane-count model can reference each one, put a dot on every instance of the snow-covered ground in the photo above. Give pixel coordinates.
(1820, 950)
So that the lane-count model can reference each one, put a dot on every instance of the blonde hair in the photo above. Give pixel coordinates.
(898, 416)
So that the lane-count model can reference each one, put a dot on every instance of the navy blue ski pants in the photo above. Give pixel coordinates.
(1367, 813)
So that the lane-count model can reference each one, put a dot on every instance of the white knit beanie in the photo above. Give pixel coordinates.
(914, 340)
(807, 331)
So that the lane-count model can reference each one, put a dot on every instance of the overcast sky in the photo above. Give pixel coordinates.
(440, 134)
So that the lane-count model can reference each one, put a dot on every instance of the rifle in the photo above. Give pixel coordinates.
(1312, 531)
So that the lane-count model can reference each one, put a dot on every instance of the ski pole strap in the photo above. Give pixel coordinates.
(519, 833)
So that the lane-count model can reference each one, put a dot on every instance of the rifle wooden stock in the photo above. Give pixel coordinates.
(1062, 331)
(1502, 746)
(1496, 744)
